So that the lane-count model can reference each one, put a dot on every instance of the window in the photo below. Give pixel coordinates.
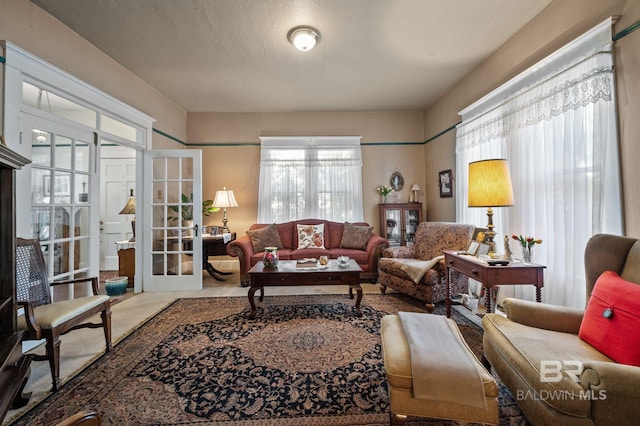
(556, 124)
(310, 177)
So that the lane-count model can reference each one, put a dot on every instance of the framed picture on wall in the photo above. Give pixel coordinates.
(61, 185)
(445, 182)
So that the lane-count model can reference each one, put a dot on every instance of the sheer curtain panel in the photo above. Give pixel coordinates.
(310, 177)
(556, 124)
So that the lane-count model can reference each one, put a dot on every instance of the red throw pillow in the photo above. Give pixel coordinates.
(610, 323)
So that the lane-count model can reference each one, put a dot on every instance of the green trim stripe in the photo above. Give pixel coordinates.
(390, 143)
(2, 60)
(626, 31)
(166, 135)
(203, 144)
(442, 132)
(225, 144)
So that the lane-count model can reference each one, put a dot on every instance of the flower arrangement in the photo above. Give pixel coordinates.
(527, 242)
(384, 190)
(527, 246)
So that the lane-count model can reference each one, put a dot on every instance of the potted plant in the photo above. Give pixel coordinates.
(186, 210)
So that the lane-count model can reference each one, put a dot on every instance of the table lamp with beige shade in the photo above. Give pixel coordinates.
(130, 208)
(224, 199)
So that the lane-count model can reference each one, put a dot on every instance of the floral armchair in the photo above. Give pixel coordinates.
(431, 239)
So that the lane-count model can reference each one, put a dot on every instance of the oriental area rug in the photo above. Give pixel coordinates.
(304, 360)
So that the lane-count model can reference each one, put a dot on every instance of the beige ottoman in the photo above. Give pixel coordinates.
(397, 364)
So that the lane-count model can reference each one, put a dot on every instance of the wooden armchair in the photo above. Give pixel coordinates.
(44, 319)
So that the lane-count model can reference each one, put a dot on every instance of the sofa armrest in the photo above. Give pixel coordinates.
(616, 379)
(543, 315)
(375, 246)
(399, 252)
(243, 250)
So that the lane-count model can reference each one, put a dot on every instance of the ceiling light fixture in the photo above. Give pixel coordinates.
(303, 37)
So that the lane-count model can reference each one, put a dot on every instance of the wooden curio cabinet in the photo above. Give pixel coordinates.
(14, 366)
(399, 222)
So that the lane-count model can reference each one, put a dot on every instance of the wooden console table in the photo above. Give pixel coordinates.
(489, 276)
(126, 260)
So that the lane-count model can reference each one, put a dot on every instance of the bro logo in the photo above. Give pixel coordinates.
(551, 370)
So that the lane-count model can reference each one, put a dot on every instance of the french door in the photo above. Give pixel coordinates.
(172, 219)
(63, 196)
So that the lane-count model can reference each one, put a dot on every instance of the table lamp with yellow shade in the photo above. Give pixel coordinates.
(490, 186)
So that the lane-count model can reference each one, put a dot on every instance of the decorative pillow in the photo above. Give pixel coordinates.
(310, 236)
(355, 236)
(265, 237)
(610, 322)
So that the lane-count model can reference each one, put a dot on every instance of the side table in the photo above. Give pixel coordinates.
(215, 245)
(489, 276)
(126, 260)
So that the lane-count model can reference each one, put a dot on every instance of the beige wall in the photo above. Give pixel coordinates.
(231, 152)
(555, 26)
(32, 29)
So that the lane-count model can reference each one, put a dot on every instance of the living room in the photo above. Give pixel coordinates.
(390, 139)
(419, 143)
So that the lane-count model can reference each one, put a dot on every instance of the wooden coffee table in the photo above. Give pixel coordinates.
(287, 274)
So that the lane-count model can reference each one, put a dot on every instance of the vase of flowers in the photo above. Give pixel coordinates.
(384, 190)
(527, 247)
(270, 257)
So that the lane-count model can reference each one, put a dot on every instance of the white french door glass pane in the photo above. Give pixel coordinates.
(172, 243)
(82, 156)
(41, 148)
(62, 149)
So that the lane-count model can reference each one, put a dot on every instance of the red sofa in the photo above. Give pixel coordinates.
(367, 259)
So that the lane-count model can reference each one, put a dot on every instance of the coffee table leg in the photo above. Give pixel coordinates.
(358, 299)
(350, 292)
(252, 292)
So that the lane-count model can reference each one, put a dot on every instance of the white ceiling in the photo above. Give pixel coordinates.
(233, 55)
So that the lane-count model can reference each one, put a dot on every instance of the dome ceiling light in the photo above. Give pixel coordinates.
(303, 37)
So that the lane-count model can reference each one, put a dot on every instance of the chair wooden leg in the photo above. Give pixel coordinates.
(52, 347)
(383, 288)
(397, 419)
(106, 326)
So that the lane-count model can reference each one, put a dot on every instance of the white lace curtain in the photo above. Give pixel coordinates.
(316, 177)
(556, 125)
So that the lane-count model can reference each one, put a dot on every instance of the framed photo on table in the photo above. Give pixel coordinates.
(445, 182)
(473, 248)
(483, 249)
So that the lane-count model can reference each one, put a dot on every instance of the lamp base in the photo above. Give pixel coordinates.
(225, 228)
(490, 234)
(133, 227)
